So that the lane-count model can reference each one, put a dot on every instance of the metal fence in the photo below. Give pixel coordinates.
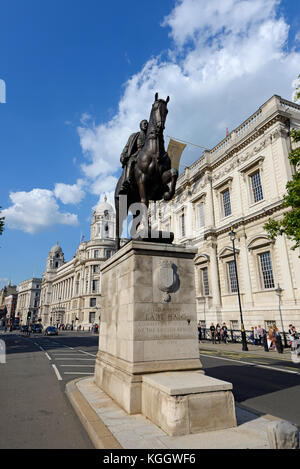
(233, 335)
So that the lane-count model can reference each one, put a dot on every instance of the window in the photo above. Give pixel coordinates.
(92, 317)
(96, 254)
(200, 215)
(226, 203)
(232, 280)
(182, 225)
(92, 302)
(95, 286)
(256, 186)
(266, 270)
(234, 324)
(95, 269)
(205, 285)
(107, 254)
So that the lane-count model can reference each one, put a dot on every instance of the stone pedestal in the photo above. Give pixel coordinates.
(148, 318)
(148, 359)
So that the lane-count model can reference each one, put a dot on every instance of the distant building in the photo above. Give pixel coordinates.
(240, 182)
(10, 303)
(29, 293)
(71, 291)
(5, 292)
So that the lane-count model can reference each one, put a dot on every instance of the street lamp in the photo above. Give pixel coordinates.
(279, 291)
(232, 236)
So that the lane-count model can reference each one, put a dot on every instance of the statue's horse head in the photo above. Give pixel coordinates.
(159, 114)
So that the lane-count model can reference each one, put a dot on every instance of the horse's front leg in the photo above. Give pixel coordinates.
(170, 176)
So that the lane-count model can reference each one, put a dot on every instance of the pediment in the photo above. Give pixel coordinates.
(259, 241)
(227, 251)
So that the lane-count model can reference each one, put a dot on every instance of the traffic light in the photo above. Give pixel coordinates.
(29, 315)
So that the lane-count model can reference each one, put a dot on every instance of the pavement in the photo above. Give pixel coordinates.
(253, 350)
(110, 427)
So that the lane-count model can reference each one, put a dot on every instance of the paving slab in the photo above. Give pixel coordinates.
(136, 432)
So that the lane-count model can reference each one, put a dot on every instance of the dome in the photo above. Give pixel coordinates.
(102, 207)
(56, 248)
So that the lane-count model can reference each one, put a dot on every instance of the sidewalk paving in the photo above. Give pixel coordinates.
(110, 427)
(253, 350)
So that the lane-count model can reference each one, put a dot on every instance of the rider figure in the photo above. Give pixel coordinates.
(129, 154)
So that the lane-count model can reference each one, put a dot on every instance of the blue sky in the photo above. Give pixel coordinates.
(80, 75)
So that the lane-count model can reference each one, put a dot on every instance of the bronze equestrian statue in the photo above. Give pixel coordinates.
(152, 176)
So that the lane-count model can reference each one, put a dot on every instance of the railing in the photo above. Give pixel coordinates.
(233, 335)
(289, 105)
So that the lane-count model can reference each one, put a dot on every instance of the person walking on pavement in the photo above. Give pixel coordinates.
(199, 332)
(213, 333)
(218, 332)
(256, 336)
(224, 333)
(261, 333)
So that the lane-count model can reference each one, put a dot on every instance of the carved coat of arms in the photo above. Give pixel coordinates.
(167, 279)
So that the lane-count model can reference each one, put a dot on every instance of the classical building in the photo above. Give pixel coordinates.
(7, 291)
(240, 182)
(29, 292)
(71, 291)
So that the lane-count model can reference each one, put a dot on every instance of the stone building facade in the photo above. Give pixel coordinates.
(71, 291)
(240, 182)
(29, 293)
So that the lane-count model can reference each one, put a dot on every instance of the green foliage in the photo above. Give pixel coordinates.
(1, 224)
(290, 224)
(297, 91)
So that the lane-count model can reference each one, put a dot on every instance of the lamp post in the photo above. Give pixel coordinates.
(232, 236)
(279, 291)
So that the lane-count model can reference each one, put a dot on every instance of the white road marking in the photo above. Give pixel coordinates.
(251, 364)
(49, 358)
(84, 366)
(57, 373)
(75, 359)
(42, 349)
(87, 353)
(67, 355)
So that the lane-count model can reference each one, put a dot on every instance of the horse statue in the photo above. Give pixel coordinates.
(153, 177)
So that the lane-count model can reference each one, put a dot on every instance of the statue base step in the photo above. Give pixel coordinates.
(183, 403)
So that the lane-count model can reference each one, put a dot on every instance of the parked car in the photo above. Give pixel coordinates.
(37, 328)
(51, 330)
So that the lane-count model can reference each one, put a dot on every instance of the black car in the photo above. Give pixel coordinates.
(51, 330)
(37, 328)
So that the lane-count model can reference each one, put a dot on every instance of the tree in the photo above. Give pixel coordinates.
(290, 223)
(1, 223)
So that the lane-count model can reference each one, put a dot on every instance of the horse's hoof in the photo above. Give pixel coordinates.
(167, 196)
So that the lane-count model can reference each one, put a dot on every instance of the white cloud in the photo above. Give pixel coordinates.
(35, 211)
(228, 57)
(69, 194)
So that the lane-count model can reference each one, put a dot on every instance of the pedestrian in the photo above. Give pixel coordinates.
(261, 333)
(224, 333)
(252, 336)
(256, 336)
(271, 339)
(218, 332)
(199, 332)
(213, 333)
